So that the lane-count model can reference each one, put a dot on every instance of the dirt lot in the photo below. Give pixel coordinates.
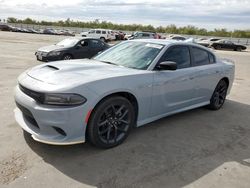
(199, 148)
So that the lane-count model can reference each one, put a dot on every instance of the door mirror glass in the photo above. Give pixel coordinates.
(167, 65)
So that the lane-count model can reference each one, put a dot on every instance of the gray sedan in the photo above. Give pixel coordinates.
(129, 85)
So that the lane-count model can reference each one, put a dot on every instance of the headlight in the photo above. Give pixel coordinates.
(67, 99)
(54, 53)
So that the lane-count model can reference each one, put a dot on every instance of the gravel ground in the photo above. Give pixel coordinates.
(199, 148)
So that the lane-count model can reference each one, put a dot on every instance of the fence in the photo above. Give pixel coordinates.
(243, 41)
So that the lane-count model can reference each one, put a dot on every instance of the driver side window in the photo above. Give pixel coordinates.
(178, 54)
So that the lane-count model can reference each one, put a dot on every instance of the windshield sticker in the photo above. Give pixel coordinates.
(154, 46)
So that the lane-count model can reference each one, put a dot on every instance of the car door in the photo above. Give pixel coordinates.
(174, 90)
(229, 45)
(81, 50)
(95, 46)
(206, 73)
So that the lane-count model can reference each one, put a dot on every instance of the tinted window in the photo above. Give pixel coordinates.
(98, 32)
(145, 35)
(178, 54)
(211, 58)
(200, 57)
(178, 38)
(95, 44)
(103, 32)
(214, 39)
(84, 43)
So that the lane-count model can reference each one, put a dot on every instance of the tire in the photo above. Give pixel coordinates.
(67, 57)
(102, 39)
(111, 122)
(238, 49)
(219, 96)
(217, 47)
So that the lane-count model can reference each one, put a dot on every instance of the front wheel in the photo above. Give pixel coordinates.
(217, 47)
(67, 57)
(111, 122)
(219, 96)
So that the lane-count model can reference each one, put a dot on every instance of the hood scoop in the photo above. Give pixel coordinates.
(50, 67)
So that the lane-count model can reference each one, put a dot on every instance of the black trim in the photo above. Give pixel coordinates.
(33, 94)
(174, 46)
(27, 115)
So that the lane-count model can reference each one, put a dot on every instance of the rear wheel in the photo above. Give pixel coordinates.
(238, 49)
(67, 57)
(111, 122)
(219, 96)
(217, 47)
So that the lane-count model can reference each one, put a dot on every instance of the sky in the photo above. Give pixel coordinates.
(209, 14)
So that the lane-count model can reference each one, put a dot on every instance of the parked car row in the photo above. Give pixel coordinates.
(65, 32)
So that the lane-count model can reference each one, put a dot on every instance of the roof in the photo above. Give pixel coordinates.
(159, 41)
(167, 42)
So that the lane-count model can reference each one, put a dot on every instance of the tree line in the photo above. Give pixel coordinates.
(173, 29)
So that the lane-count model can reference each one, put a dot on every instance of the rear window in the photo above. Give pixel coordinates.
(200, 57)
(98, 32)
(103, 32)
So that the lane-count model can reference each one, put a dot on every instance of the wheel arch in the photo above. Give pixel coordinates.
(67, 53)
(226, 80)
(128, 95)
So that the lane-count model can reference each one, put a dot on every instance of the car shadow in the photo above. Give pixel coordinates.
(174, 151)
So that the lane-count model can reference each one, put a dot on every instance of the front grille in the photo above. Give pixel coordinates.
(39, 97)
(27, 115)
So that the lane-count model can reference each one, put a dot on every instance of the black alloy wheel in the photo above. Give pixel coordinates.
(217, 47)
(67, 57)
(111, 122)
(219, 96)
(238, 49)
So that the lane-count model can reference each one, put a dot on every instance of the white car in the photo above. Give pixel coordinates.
(103, 34)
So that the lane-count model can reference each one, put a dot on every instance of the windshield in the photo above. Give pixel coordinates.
(138, 55)
(68, 42)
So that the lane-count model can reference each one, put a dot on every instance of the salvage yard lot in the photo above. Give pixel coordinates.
(199, 148)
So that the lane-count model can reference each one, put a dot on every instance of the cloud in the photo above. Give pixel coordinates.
(231, 14)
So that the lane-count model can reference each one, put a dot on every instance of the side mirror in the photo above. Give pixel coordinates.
(167, 65)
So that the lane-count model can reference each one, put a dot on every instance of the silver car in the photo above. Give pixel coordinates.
(129, 85)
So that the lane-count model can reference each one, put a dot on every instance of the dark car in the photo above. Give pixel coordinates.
(49, 31)
(4, 27)
(71, 48)
(227, 44)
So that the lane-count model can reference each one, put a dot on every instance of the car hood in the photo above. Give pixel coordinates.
(77, 72)
(51, 48)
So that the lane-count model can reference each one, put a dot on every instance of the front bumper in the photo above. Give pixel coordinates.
(41, 56)
(50, 125)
